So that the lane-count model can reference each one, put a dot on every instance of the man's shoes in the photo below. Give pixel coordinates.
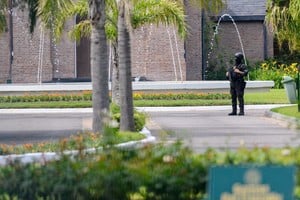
(241, 113)
(232, 113)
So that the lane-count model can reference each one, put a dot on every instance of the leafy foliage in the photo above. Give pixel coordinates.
(160, 12)
(3, 12)
(273, 70)
(139, 118)
(284, 18)
(157, 172)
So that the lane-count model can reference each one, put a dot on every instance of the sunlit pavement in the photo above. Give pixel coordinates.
(198, 127)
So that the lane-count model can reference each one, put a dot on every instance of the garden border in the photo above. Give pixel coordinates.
(43, 157)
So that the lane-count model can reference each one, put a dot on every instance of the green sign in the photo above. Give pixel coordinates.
(251, 183)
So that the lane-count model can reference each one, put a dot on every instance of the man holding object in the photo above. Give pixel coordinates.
(236, 76)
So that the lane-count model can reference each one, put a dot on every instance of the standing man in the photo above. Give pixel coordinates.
(236, 76)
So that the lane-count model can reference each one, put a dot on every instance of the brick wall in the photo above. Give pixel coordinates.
(252, 35)
(157, 53)
(193, 44)
(27, 53)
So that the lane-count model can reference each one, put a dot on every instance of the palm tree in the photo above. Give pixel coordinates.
(124, 51)
(135, 14)
(127, 121)
(124, 21)
(284, 19)
(143, 12)
(99, 63)
(53, 14)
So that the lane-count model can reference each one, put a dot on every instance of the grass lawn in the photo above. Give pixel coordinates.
(291, 111)
(275, 96)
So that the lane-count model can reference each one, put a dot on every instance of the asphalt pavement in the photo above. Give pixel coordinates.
(19, 126)
(210, 126)
(198, 127)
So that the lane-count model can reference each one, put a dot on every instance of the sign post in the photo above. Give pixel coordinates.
(251, 183)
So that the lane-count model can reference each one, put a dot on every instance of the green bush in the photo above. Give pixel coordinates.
(139, 118)
(273, 70)
(161, 172)
(81, 178)
(87, 96)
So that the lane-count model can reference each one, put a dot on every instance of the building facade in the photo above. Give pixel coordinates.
(158, 53)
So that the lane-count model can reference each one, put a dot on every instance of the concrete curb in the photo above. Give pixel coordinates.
(289, 122)
(44, 157)
(142, 109)
(140, 86)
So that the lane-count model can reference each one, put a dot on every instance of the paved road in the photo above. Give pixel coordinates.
(198, 127)
(26, 127)
(202, 127)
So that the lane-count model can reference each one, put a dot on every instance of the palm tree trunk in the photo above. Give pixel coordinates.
(99, 64)
(126, 121)
(115, 83)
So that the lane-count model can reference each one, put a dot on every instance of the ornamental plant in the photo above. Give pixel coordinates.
(273, 70)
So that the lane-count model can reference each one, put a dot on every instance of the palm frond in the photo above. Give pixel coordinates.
(53, 14)
(80, 8)
(159, 12)
(81, 30)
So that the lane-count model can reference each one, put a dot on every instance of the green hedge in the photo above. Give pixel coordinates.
(152, 173)
(87, 96)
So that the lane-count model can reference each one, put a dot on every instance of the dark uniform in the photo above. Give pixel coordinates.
(236, 76)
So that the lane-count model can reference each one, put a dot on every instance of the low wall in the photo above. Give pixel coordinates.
(147, 87)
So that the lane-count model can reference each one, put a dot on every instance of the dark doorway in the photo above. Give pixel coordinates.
(83, 64)
(83, 59)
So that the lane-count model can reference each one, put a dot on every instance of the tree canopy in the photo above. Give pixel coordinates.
(283, 16)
